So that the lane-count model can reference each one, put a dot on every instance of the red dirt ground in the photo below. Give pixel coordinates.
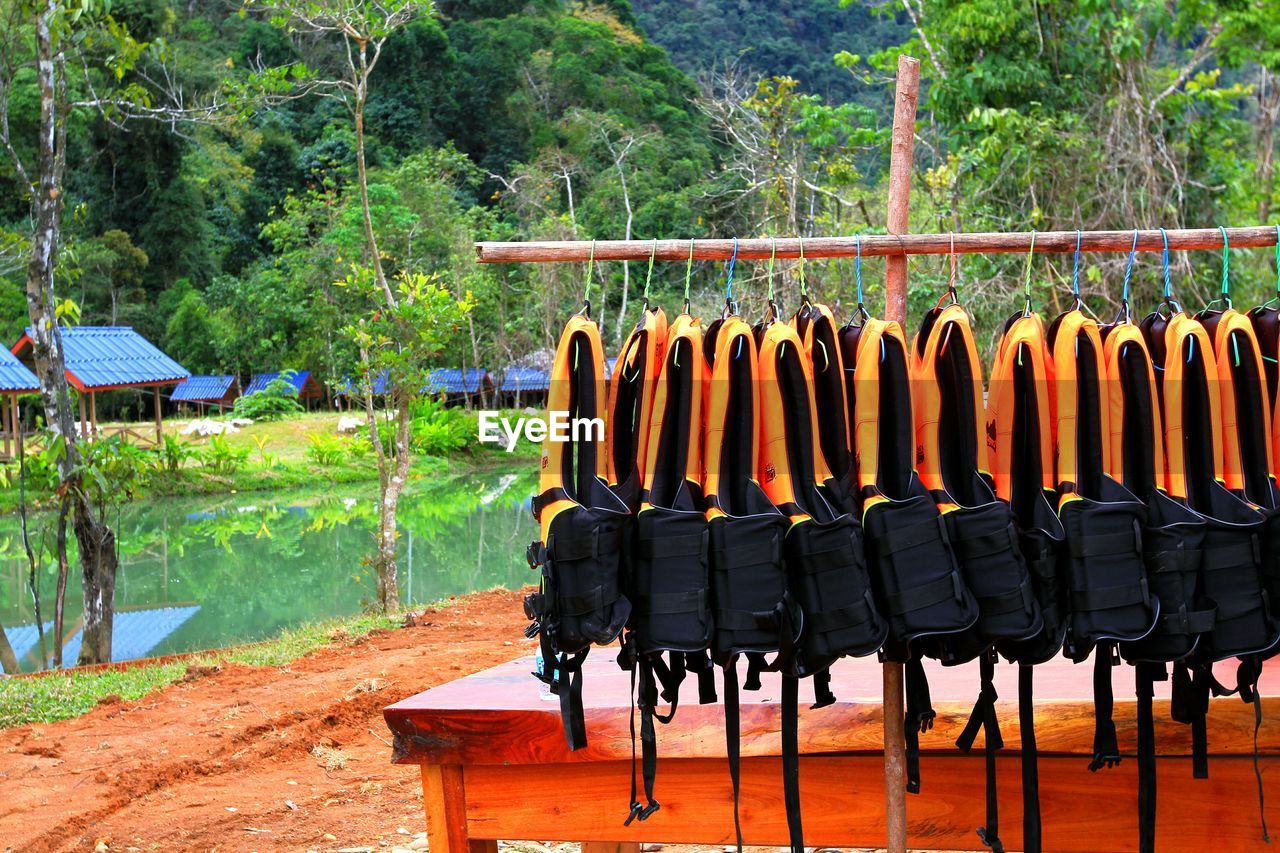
(214, 762)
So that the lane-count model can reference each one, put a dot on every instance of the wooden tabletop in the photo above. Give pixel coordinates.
(503, 715)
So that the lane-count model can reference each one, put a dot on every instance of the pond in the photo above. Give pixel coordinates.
(201, 573)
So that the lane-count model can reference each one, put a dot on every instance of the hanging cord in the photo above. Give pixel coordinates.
(951, 281)
(586, 290)
(1168, 300)
(771, 308)
(688, 275)
(1075, 272)
(1125, 315)
(1225, 293)
(648, 276)
(804, 285)
(860, 314)
(730, 307)
(1026, 277)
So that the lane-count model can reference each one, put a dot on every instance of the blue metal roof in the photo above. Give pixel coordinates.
(452, 380)
(111, 357)
(525, 379)
(14, 375)
(352, 386)
(262, 380)
(134, 633)
(202, 389)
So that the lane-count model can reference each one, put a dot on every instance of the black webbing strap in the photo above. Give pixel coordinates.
(947, 588)
(920, 715)
(1189, 705)
(569, 689)
(699, 663)
(898, 539)
(1145, 676)
(732, 739)
(986, 544)
(1247, 675)
(822, 695)
(1106, 748)
(646, 698)
(1124, 542)
(1030, 761)
(983, 717)
(791, 759)
(755, 665)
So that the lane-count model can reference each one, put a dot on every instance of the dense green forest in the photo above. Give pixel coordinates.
(517, 119)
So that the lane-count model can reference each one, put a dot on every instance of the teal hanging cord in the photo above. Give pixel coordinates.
(1026, 276)
(858, 268)
(648, 276)
(1128, 268)
(773, 254)
(1164, 256)
(728, 284)
(1226, 270)
(1278, 261)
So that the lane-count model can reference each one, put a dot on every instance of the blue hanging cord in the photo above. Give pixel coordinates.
(1128, 273)
(1026, 282)
(728, 284)
(857, 264)
(688, 276)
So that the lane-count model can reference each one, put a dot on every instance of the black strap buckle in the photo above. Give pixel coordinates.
(641, 813)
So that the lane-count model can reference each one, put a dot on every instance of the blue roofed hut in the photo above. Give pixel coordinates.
(207, 391)
(15, 380)
(308, 387)
(107, 358)
(459, 384)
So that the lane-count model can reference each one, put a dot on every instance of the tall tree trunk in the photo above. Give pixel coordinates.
(96, 539)
(1268, 107)
(393, 487)
(8, 660)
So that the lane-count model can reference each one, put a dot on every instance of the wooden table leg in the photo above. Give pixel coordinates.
(446, 807)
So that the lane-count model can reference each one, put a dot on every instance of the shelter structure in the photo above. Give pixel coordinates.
(207, 391)
(349, 388)
(308, 387)
(15, 380)
(459, 384)
(524, 385)
(107, 358)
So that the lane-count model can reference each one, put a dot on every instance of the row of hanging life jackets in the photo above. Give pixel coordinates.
(793, 492)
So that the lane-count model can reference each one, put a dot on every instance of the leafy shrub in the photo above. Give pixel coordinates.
(277, 400)
(436, 429)
(221, 458)
(112, 469)
(172, 454)
(268, 460)
(327, 450)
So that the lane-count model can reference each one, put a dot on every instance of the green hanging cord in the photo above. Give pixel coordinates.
(773, 254)
(1278, 262)
(1026, 277)
(804, 287)
(688, 275)
(586, 291)
(1226, 268)
(648, 276)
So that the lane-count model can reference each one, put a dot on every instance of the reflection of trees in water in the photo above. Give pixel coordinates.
(275, 560)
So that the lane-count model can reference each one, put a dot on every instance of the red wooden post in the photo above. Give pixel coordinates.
(898, 222)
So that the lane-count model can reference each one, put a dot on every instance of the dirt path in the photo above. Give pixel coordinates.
(249, 758)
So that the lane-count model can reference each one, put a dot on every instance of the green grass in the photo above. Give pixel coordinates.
(62, 695)
(286, 443)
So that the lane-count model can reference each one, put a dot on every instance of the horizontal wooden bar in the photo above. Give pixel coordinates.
(843, 803)
(761, 248)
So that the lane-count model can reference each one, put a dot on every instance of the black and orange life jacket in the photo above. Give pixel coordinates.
(1021, 454)
(952, 460)
(1105, 575)
(1206, 431)
(820, 334)
(825, 563)
(631, 390)
(583, 525)
(917, 582)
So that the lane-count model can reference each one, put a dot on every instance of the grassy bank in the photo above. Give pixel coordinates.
(298, 452)
(62, 695)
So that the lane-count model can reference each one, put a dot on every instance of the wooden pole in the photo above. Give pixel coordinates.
(159, 419)
(93, 413)
(760, 248)
(17, 424)
(897, 221)
(8, 426)
(84, 426)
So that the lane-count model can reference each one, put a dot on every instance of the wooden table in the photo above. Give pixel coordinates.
(494, 765)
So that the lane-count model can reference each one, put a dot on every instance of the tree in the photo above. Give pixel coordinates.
(111, 265)
(81, 60)
(341, 42)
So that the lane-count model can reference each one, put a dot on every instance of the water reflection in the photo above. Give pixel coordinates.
(202, 573)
